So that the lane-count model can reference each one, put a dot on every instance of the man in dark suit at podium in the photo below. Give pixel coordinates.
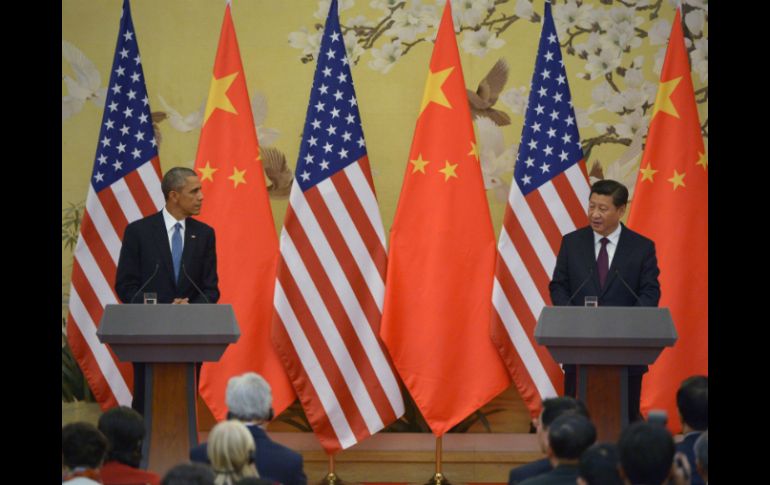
(611, 262)
(170, 254)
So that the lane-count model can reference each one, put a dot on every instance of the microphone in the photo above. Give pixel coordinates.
(590, 273)
(193, 283)
(157, 265)
(638, 300)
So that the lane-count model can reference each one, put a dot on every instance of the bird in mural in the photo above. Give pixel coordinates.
(486, 95)
(87, 83)
(157, 117)
(624, 169)
(496, 159)
(183, 123)
(278, 171)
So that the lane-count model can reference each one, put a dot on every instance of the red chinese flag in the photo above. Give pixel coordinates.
(671, 207)
(441, 264)
(237, 206)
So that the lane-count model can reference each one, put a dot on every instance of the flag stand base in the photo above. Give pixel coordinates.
(438, 479)
(331, 478)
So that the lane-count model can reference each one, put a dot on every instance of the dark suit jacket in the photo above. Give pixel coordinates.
(146, 247)
(529, 470)
(634, 261)
(274, 461)
(687, 446)
(561, 475)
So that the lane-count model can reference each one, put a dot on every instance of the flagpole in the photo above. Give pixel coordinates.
(331, 477)
(438, 478)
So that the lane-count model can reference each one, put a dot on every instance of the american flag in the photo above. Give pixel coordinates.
(124, 186)
(330, 280)
(548, 199)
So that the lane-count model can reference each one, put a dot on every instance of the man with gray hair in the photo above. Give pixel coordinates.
(170, 254)
(250, 400)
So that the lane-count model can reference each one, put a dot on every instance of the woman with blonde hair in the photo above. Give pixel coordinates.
(231, 452)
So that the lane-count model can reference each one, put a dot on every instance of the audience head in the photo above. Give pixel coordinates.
(249, 398)
(701, 450)
(646, 453)
(692, 399)
(82, 446)
(231, 452)
(599, 465)
(189, 474)
(124, 429)
(569, 436)
(552, 409)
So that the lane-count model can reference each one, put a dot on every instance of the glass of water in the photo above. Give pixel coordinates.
(592, 301)
(150, 298)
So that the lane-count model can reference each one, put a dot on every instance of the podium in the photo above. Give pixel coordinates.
(602, 342)
(170, 339)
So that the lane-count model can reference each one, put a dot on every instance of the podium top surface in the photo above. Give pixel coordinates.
(167, 323)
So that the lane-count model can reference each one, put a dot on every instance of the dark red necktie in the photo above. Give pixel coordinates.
(603, 262)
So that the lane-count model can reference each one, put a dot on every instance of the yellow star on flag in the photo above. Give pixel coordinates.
(433, 92)
(648, 172)
(663, 100)
(218, 96)
(207, 172)
(677, 179)
(474, 150)
(419, 164)
(449, 170)
(238, 177)
(703, 161)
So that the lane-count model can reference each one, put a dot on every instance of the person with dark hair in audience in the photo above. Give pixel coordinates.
(552, 409)
(692, 400)
(568, 437)
(701, 448)
(599, 465)
(83, 449)
(189, 474)
(648, 456)
(124, 429)
(249, 400)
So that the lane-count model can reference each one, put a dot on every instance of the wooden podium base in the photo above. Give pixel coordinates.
(604, 390)
(170, 398)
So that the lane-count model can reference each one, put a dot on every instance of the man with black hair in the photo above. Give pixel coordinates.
(568, 437)
(702, 456)
(189, 474)
(124, 429)
(692, 400)
(249, 400)
(607, 260)
(83, 449)
(599, 465)
(552, 409)
(646, 454)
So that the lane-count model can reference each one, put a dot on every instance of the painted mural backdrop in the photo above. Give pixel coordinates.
(613, 52)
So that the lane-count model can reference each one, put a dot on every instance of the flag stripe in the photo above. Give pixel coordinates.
(545, 220)
(579, 182)
(312, 368)
(360, 183)
(524, 286)
(100, 388)
(102, 288)
(521, 340)
(96, 247)
(144, 202)
(534, 233)
(104, 229)
(558, 211)
(566, 191)
(339, 345)
(126, 201)
(111, 207)
(151, 177)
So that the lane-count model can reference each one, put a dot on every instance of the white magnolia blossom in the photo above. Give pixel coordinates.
(385, 5)
(702, 4)
(583, 119)
(606, 98)
(659, 32)
(385, 57)
(323, 7)
(603, 63)
(570, 15)
(524, 9)
(699, 59)
(352, 48)
(694, 20)
(310, 43)
(623, 37)
(632, 98)
(632, 125)
(478, 43)
(634, 78)
(621, 15)
(591, 45)
(408, 25)
(470, 13)
(359, 21)
(515, 99)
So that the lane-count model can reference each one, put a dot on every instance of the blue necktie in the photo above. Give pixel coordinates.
(176, 249)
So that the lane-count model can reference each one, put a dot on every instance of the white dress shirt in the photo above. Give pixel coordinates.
(614, 237)
(170, 222)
